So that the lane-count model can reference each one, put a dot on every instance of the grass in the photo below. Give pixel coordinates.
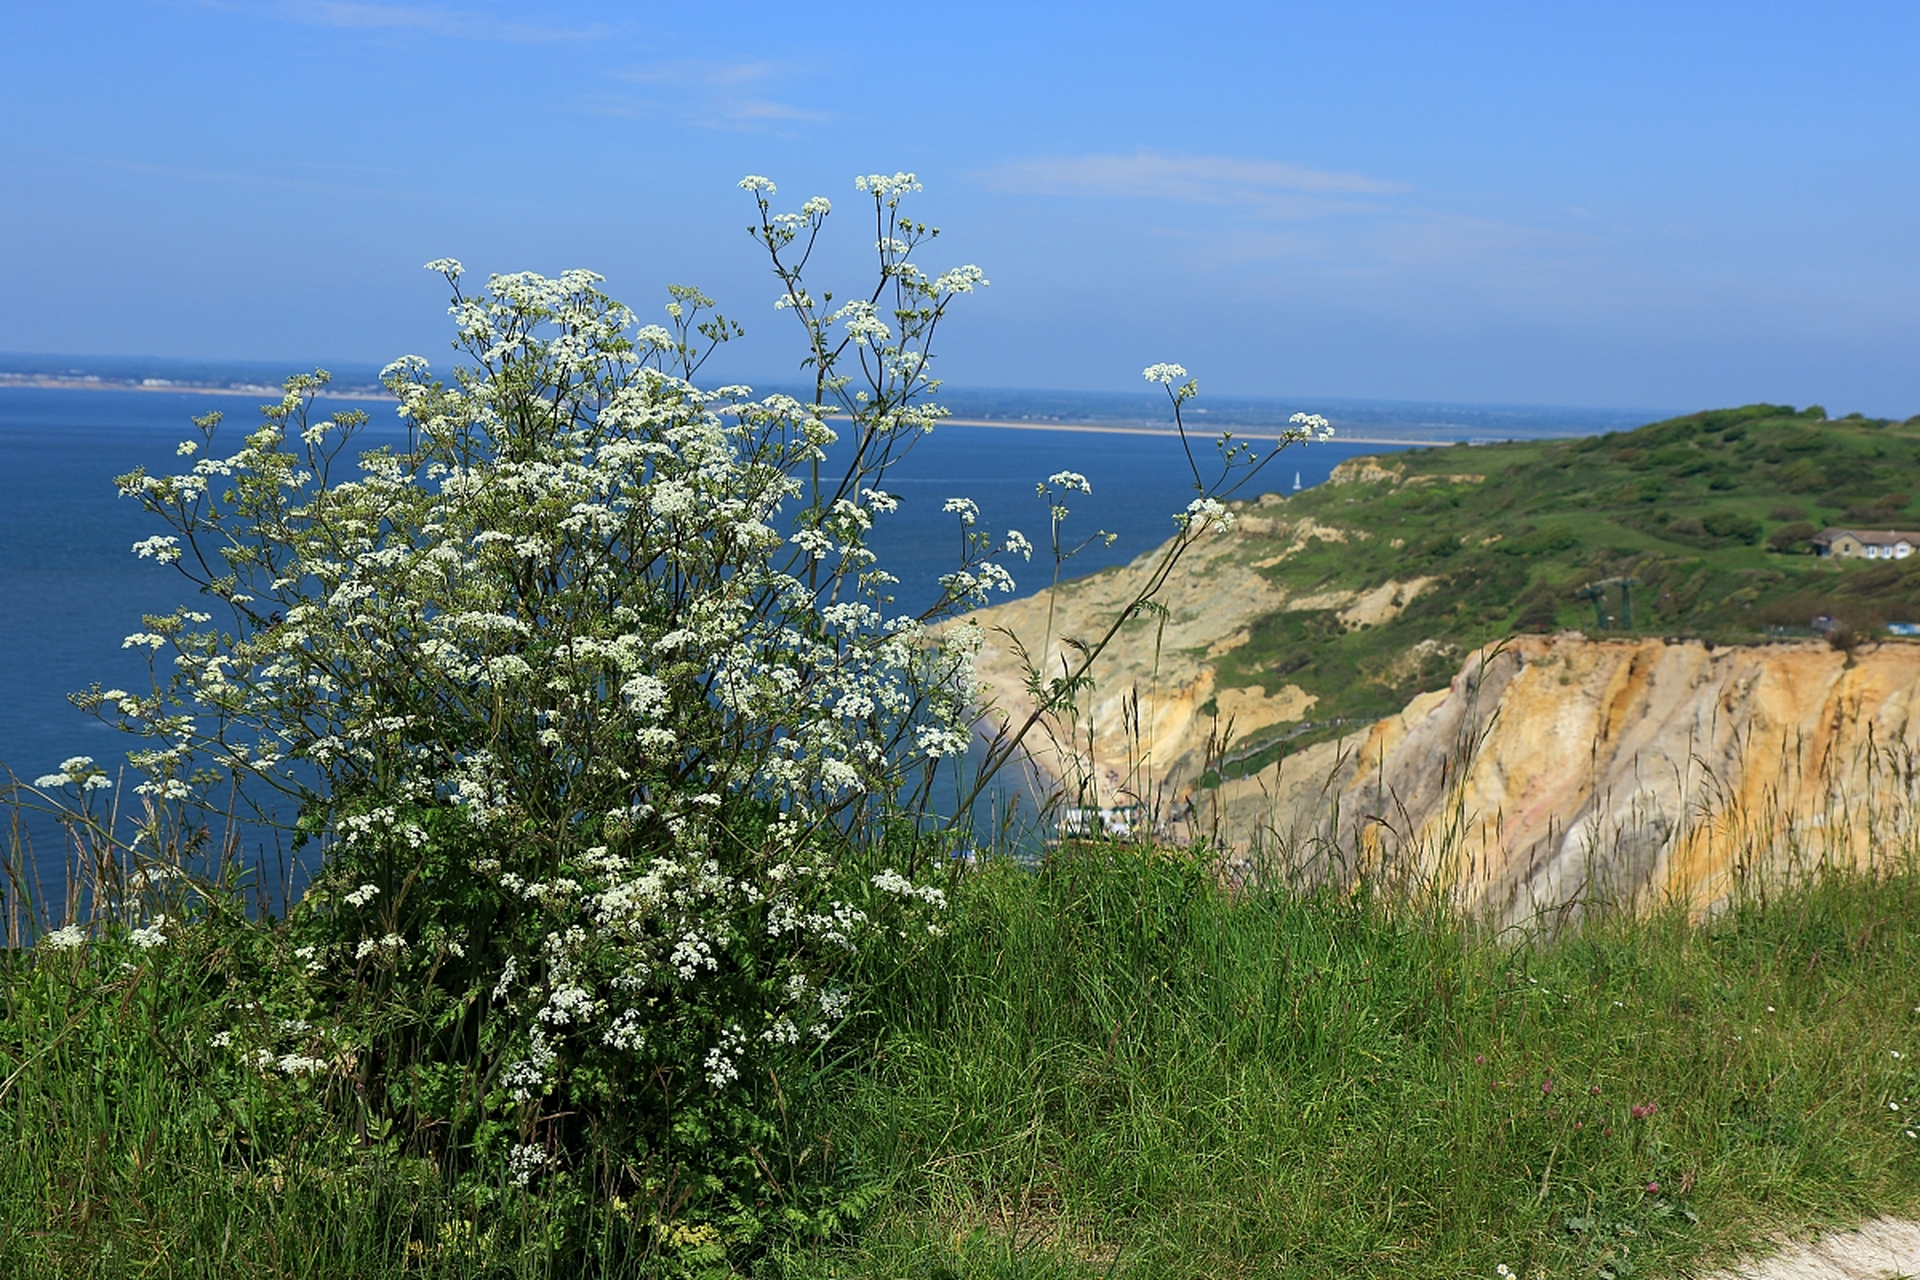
(1115, 1065)
(1708, 512)
(128, 1147)
(1122, 1068)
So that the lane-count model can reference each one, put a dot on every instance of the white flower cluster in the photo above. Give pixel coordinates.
(599, 623)
(165, 548)
(524, 1162)
(1203, 514)
(1168, 374)
(891, 881)
(76, 771)
(1069, 481)
(263, 1045)
(149, 936)
(880, 185)
(1309, 426)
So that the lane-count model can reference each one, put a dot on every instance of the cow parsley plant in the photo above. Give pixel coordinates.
(590, 703)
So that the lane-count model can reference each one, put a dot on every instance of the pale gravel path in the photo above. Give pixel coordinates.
(1883, 1249)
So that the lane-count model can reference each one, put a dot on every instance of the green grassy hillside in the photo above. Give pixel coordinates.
(1710, 512)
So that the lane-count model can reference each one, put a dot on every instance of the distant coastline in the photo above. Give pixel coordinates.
(96, 382)
(1205, 431)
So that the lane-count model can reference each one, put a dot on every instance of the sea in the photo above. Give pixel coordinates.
(71, 588)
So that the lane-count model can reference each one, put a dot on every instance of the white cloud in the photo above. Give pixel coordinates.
(717, 95)
(745, 109)
(688, 73)
(435, 20)
(1192, 179)
(1344, 225)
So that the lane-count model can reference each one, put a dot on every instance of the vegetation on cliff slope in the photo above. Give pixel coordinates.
(1710, 514)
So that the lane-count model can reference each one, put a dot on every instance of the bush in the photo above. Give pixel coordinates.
(1437, 547)
(1794, 539)
(592, 712)
(1541, 542)
(1715, 528)
(1883, 511)
(593, 715)
(1803, 476)
(1538, 607)
(1731, 526)
(1687, 528)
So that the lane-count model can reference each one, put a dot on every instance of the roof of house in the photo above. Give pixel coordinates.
(1871, 537)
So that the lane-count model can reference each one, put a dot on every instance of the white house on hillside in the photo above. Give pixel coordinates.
(1851, 544)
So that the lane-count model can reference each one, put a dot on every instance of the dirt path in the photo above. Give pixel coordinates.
(1883, 1249)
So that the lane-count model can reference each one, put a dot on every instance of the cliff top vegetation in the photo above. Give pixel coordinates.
(1385, 575)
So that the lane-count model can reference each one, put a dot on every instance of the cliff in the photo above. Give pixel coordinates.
(1343, 601)
(1158, 703)
(1159, 712)
(1551, 772)
(1554, 772)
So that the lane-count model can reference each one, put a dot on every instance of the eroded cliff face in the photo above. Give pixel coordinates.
(1145, 727)
(1554, 771)
(1558, 771)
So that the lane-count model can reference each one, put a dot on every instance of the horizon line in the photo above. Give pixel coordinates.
(80, 375)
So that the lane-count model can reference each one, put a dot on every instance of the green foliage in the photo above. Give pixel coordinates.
(1118, 1064)
(612, 763)
(628, 951)
(1711, 513)
(1541, 542)
(591, 714)
(1793, 538)
(1122, 1066)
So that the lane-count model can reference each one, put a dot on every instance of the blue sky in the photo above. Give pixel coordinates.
(1669, 205)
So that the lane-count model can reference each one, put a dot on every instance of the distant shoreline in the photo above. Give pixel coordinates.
(51, 383)
(1252, 433)
(46, 382)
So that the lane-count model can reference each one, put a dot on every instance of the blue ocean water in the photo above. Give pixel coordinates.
(71, 589)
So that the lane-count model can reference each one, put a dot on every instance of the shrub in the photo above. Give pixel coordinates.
(593, 715)
(1687, 528)
(1882, 511)
(590, 708)
(1538, 607)
(1803, 476)
(1795, 538)
(1731, 526)
(1437, 547)
(1541, 542)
